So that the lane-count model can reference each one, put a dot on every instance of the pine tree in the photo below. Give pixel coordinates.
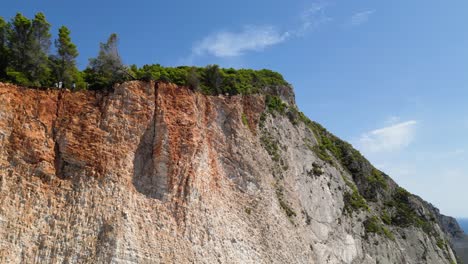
(65, 61)
(107, 68)
(3, 49)
(213, 78)
(19, 42)
(39, 68)
(29, 43)
(193, 80)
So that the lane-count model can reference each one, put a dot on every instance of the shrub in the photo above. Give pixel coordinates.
(440, 243)
(322, 153)
(288, 210)
(374, 225)
(386, 218)
(275, 105)
(213, 80)
(271, 146)
(244, 120)
(404, 215)
(248, 210)
(388, 233)
(377, 180)
(353, 201)
(316, 169)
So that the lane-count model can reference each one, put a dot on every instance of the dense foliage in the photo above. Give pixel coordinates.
(107, 68)
(63, 64)
(374, 225)
(3, 49)
(27, 46)
(25, 59)
(212, 79)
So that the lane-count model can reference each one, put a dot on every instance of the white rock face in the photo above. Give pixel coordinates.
(159, 174)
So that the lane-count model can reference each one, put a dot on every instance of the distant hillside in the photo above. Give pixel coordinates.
(463, 224)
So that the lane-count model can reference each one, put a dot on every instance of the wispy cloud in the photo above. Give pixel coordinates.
(387, 139)
(361, 17)
(312, 18)
(231, 44)
(225, 44)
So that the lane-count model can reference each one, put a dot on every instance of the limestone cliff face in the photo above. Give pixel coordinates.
(155, 173)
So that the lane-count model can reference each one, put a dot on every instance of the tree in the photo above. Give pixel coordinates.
(64, 63)
(193, 81)
(213, 78)
(29, 43)
(3, 49)
(39, 68)
(107, 68)
(19, 41)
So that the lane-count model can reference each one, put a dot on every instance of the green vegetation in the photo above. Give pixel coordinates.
(350, 158)
(331, 149)
(107, 68)
(374, 182)
(377, 180)
(441, 243)
(374, 225)
(28, 43)
(3, 49)
(403, 214)
(262, 120)
(386, 218)
(211, 80)
(368, 183)
(322, 153)
(353, 201)
(25, 59)
(288, 210)
(275, 105)
(388, 233)
(316, 169)
(244, 120)
(63, 65)
(271, 146)
(248, 210)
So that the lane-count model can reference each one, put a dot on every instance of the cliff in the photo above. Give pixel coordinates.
(155, 173)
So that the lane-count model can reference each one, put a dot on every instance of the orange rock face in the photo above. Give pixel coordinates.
(156, 173)
(158, 142)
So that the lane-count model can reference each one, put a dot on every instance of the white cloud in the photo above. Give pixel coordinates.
(361, 17)
(387, 139)
(392, 120)
(312, 18)
(226, 44)
(231, 44)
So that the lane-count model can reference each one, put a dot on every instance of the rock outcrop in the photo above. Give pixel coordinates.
(155, 173)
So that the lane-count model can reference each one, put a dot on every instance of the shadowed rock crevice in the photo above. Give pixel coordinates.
(106, 243)
(58, 160)
(149, 165)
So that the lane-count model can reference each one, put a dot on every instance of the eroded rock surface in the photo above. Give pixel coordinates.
(155, 173)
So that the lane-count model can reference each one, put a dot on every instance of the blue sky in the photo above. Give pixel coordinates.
(390, 77)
